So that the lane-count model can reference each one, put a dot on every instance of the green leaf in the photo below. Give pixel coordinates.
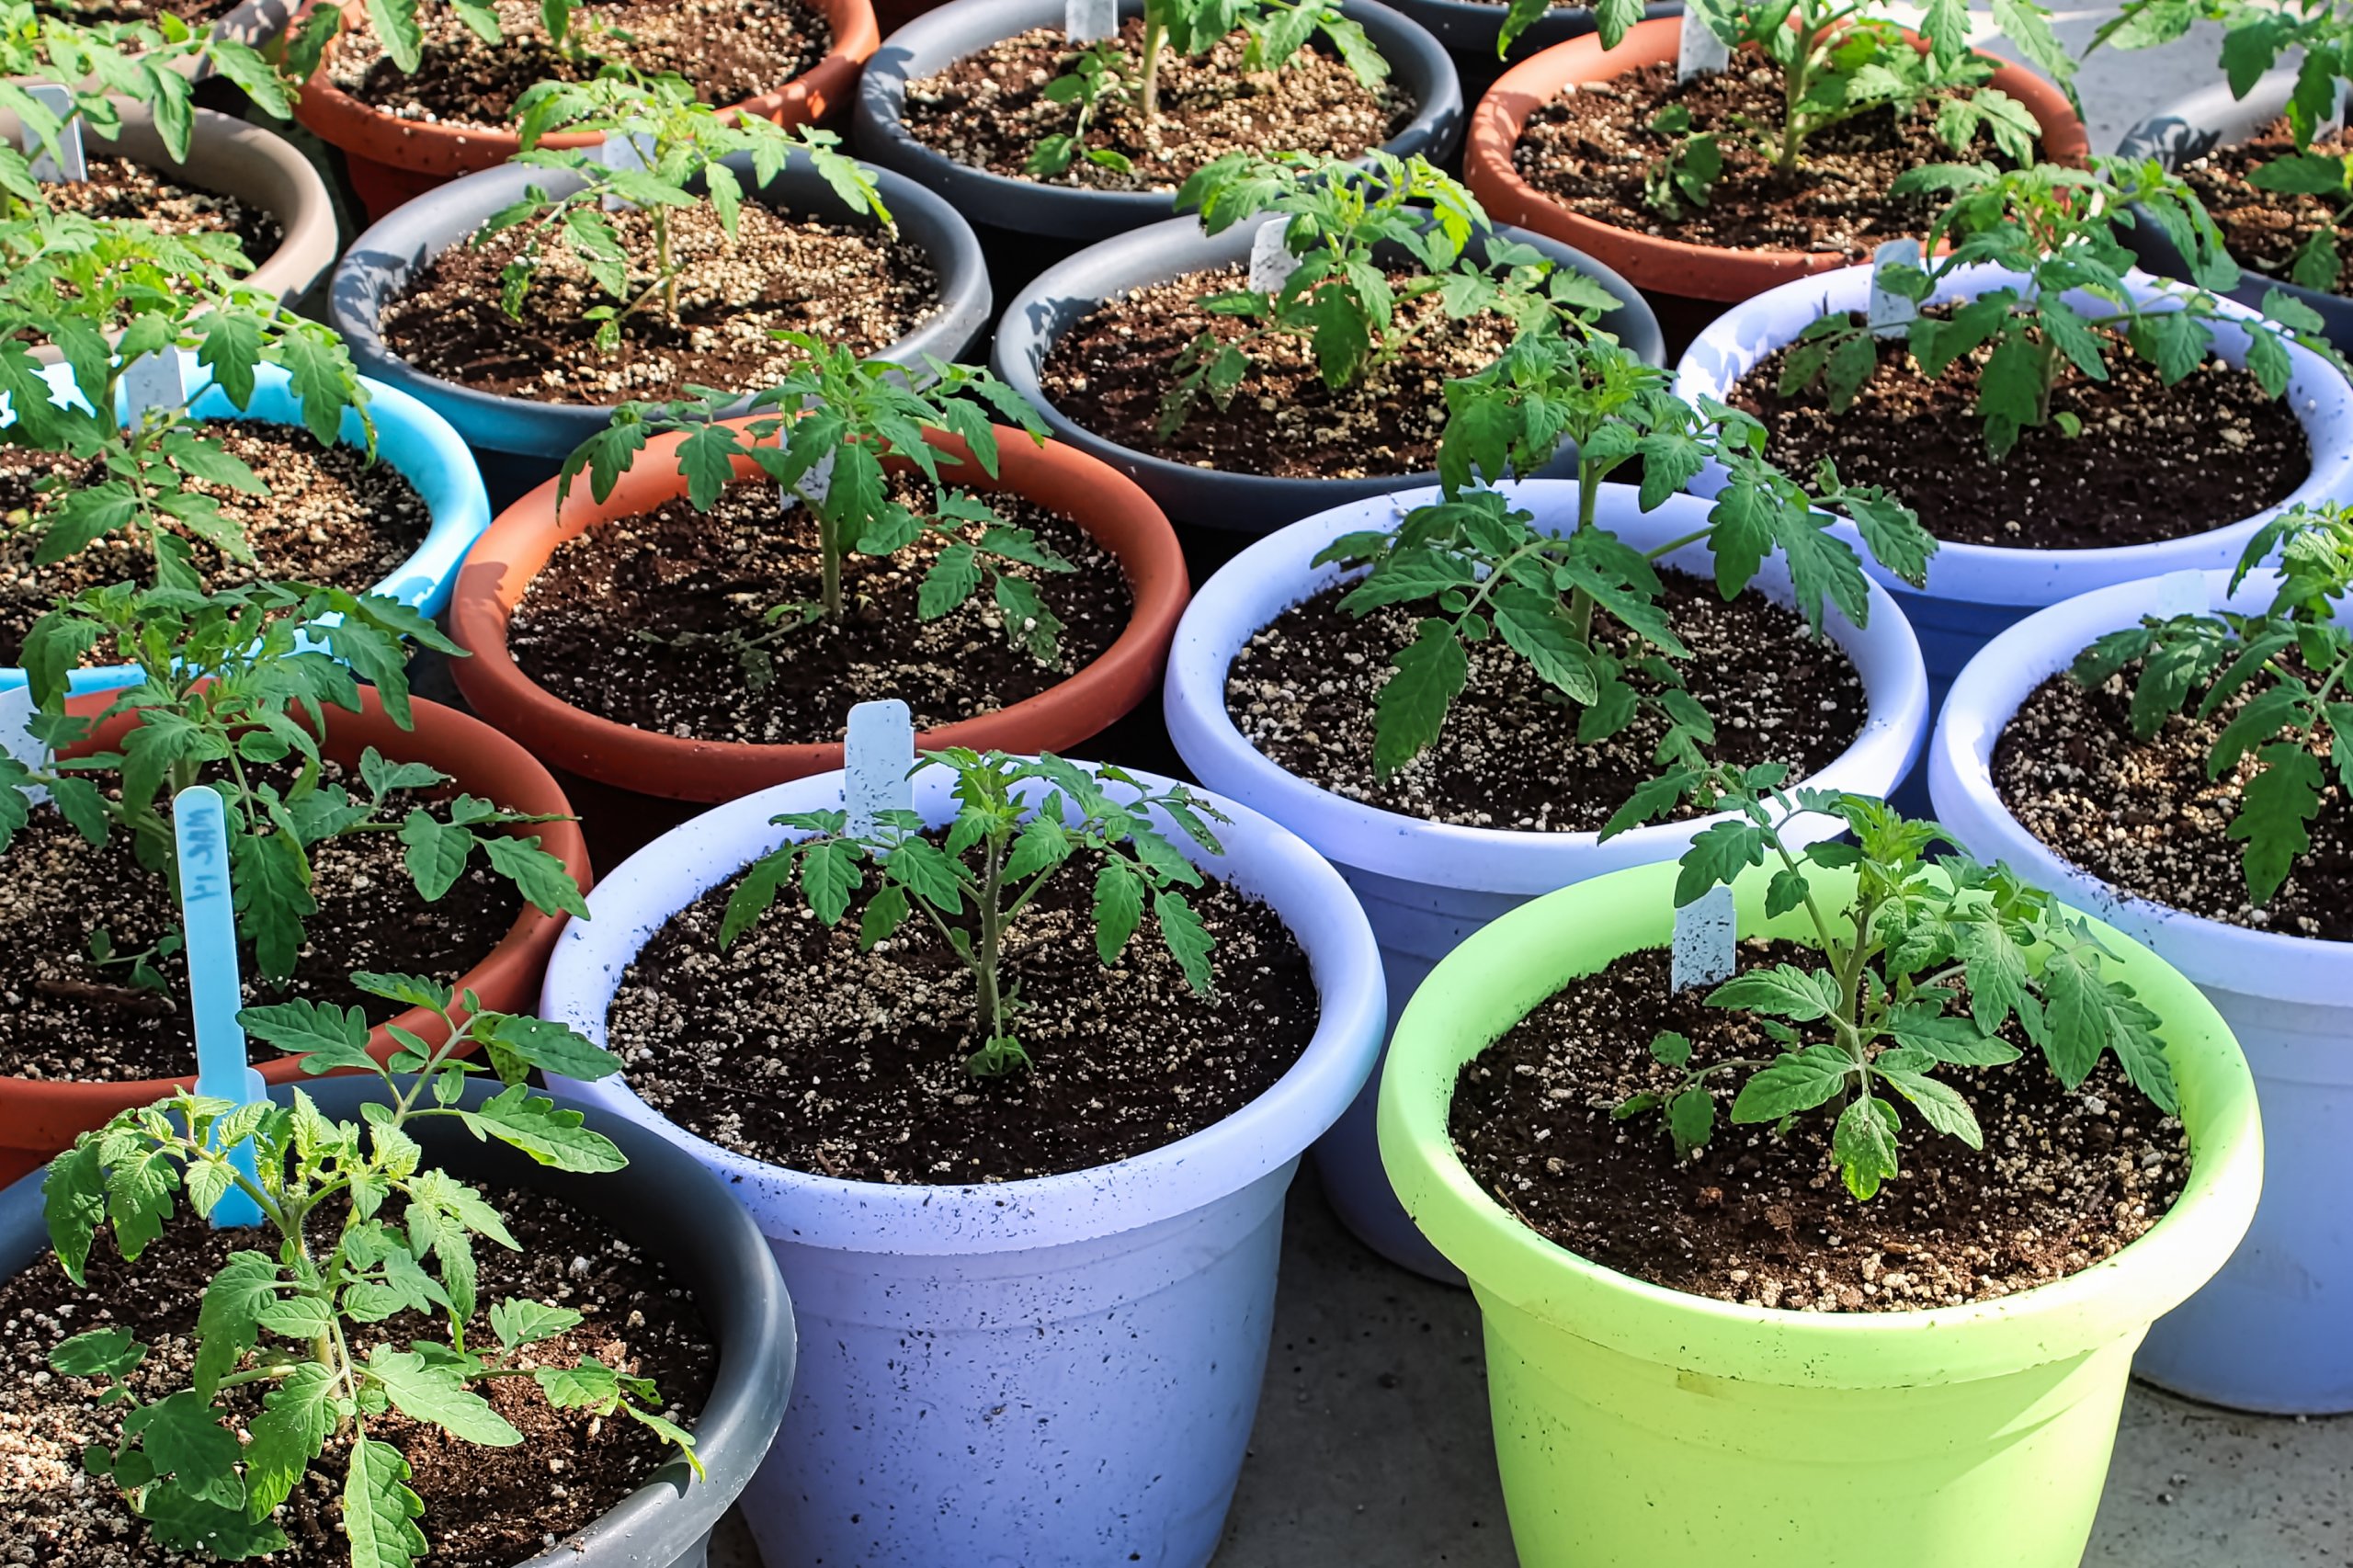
(333, 1037)
(139, 1199)
(1411, 707)
(591, 1384)
(1672, 1048)
(1782, 990)
(1953, 1041)
(184, 1437)
(298, 1317)
(189, 1524)
(379, 1512)
(2275, 809)
(1535, 627)
(436, 854)
(273, 895)
(1119, 909)
(99, 1353)
(72, 1195)
(228, 1321)
(437, 1396)
(955, 573)
(1939, 1105)
(1691, 1119)
(1718, 853)
(1863, 1144)
(538, 876)
(534, 1125)
(518, 1322)
(1188, 940)
(549, 1046)
(1797, 1081)
(1786, 892)
(1996, 970)
(829, 874)
(287, 1434)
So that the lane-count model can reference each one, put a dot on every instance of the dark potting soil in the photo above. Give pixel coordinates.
(844, 283)
(2265, 229)
(2152, 462)
(68, 1018)
(794, 1048)
(1301, 692)
(483, 1507)
(989, 110)
(119, 189)
(632, 621)
(1111, 370)
(731, 51)
(1591, 150)
(331, 517)
(2067, 1177)
(114, 12)
(2143, 815)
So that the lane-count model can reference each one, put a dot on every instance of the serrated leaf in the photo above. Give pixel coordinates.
(287, 1434)
(379, 1512)
(99, 1353)
(1411, 707)
(538, 875)
(1188, 939)
(435, 853)
(438, 1397)
(229, 1320)
(1782, 990)
(183, 1436)
(1939, 1105)
(1863, 1144)
(1119, 909)
(534, 1125)
(518, 1322)
(1797, 1081)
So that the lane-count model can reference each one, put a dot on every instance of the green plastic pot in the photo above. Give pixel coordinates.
(1635, 1424)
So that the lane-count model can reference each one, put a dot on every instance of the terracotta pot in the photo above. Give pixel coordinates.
(1658, 265)
(391, 160)
(231, 158)
(1107, 504)
(38, 1117)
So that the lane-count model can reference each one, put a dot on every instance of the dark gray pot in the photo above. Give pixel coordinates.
(2187, 132)
(1242, 502)
(664, 1202)
(382, 260)
(1469, 28)
(940, 38)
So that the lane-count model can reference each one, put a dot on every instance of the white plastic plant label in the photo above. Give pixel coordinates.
(1704, 933)
(877, 756)
(155, 381)
(1891, 313)
(2181, 593)
(1085, 21)
(17, 713)
(64, 162)
(1700, 51)
(2335, 120)
(1271, 263)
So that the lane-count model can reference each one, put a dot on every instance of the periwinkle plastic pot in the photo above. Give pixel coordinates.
(521, 441)
(391, 160)
(1426, 885)
(2187, 131)
(1975, 590)
(1636, 1423)
(2270, 1333)
(1051, 1373)
(417, 443)
(667, 1204)
(1114, 513)
(1000, 204)
(1057, 301)
(38, 1117)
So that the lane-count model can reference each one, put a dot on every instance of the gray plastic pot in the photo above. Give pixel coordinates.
(1238, 502)
(1468, 28)
(533, 437)
(664, 1202)
(934, 42)
(2192, 128)
(231, 158)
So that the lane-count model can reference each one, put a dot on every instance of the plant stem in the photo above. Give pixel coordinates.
(992, 920)
(1155, 36)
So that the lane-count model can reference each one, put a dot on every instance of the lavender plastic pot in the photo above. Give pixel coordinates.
(1425, 885)
(1974, 590)
(1053, 1373)
(2270, 1333)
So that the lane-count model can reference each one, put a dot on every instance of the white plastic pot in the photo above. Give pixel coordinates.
(1426, 885)
(2274, 1332)
(1051, 1373)
(1975, 590)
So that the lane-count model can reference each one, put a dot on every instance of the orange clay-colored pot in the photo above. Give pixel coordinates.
(393, 160)
(37, 1118)
(1097, 498)
(1653, 263)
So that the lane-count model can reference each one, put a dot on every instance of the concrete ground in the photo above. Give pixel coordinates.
(1372, 1447)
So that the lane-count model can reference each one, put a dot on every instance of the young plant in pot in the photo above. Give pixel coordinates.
(1288, 352)
(2062, 421)
(1769, 157)
(693, 606)
(2217, 704)
(383, 1297)
(1121, 1009)
(1923, 1130)
(344, 837)
(1452, 703)
(414, 95)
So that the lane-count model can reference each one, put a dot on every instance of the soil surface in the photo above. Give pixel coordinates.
(731, 51)
(2152, 462)
(119, 190)
(1301, 692)
(331, 517)
(635, 621)
(1592, 148)
(483, 1507)
(844, 283)
(2067, 1177)
(1111, 370)
(2142, 816)
(2265, 229)
(68, 1017)
(115, 12)
(794, 1048)
(989, 110)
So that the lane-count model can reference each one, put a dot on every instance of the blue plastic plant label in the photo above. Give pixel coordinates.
(1705, 931)
(209, 919)
(17, 713)
(877, 755)
(63, 162)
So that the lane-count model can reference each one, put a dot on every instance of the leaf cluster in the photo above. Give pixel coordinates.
(2258, 34)
(1931, 962)
(359, 1227)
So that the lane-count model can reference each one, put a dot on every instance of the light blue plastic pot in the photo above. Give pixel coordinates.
(2274, 1332)
(1425, 885)
(417, 442)
(1054, 1373)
